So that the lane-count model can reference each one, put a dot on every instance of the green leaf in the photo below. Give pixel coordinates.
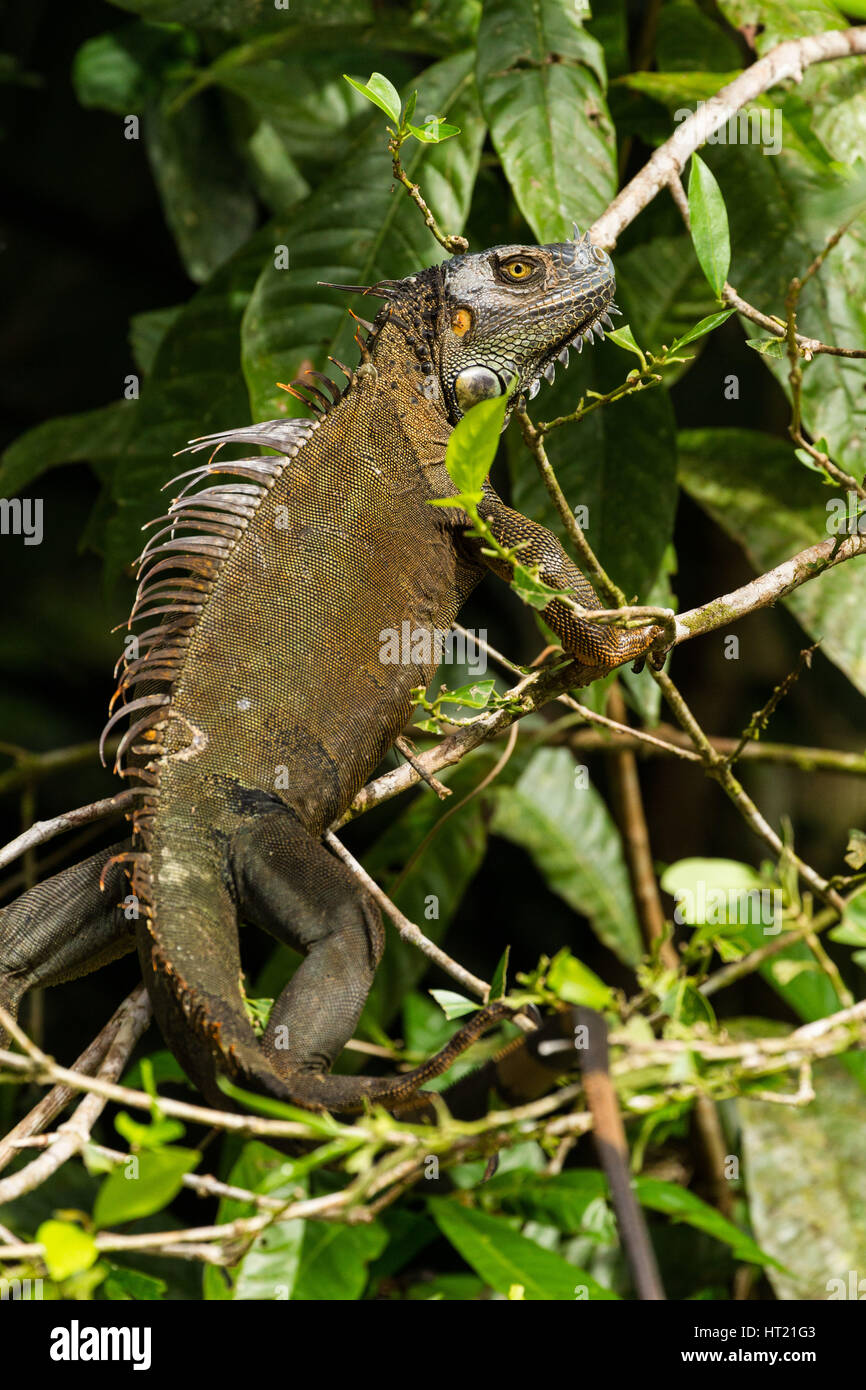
(752, 486)
(709, 219)
(498, 984)
(434, 131)
(542, 78)
(269, 1268)
(777, 20)
(151, 1136)
(576, 983)
(352, 228)
(503, 1258)
(142, 1185)
(686, 38)
(473, 443)
(146, 332)
(559, 1199)
(770, 347)
(624, 338)
(124, 1283)
(68, 1249)
(125, 70)
(454, 1005)
(680, 1204)
(711, 890)
(161, 1067)
(381, 92)
(196, 171)
(700, 329)
(567, 830)
(335, 1259)
(474, 696)
(95, 436)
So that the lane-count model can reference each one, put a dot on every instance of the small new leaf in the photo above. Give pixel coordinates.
(624, 338)
(381, 92)
(453, 1005)
(433, 131)
(767, 347)
(705, 326)
(500, 975)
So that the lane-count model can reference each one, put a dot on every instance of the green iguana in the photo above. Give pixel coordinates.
(257, 700)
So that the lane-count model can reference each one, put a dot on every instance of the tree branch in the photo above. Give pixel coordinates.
(786, 62)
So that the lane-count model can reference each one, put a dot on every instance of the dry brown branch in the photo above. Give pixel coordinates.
(75, 1133)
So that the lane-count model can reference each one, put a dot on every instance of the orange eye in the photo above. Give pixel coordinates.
(518, 270)
(461, 322)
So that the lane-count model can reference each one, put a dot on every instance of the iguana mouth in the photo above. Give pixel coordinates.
(561, 353)
(595, 323)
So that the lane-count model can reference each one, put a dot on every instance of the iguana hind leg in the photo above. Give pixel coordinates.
(290, 885)
(64, 927)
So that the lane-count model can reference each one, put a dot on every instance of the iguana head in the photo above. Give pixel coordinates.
(495, 323)
(511, 312)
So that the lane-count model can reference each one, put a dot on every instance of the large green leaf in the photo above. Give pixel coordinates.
(556, 1199)
(94, 436)
(124, 71)
(805, 1174)
(681, 1205)
(236, 16)
(270, 1266)
(575, 845)
(356, 228)
(753, 486)
(447, 24)
(542, 78)
(508, 1261)
(686, 39)
(208, 205)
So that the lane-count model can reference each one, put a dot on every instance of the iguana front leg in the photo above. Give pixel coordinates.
(599, 649)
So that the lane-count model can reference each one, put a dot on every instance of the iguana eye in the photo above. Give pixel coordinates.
(518, 270)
